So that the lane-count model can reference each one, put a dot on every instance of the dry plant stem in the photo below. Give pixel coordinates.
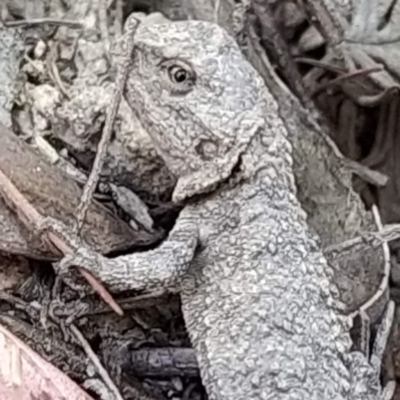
(373, 177)
(31, 218)
(41, 21)
(118, 17)
(272, 41)
(385, 133)
(96, 362)
(320, 64)
(344, 77)
(327, 23)
(105, 139)
(105, 36)
(55, 73)
(369, 175)
(216, 10)
(371, 101)
(346, 136)
(386, 272)
(371, 239)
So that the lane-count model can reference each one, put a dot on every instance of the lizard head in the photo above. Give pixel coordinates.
(199, 99)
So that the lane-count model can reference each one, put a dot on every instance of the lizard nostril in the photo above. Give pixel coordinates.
(207, 149)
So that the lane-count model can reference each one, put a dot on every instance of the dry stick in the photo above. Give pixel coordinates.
(271, 39)
(386, 271)
(54, 73)
(319, 64)
(373, 177)
(119, 14)
(31, 217)
(41, 21)
(326, 20)
(370, 239)
(217, 7)
(96, 362)
(374, 100)
(105, 139)
(78, 336)
(105, 36)
(385, 134)
(344, 77)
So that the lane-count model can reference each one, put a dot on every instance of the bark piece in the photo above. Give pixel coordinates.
(24, 375)
(55, 195)
(163, 362)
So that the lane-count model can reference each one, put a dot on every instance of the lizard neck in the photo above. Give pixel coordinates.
(267, 164)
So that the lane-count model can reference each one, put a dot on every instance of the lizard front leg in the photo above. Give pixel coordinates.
(161, 267)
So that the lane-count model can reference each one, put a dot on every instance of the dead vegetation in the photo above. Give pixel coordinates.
(333, 67)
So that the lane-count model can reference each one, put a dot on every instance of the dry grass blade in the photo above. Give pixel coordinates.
(42, 21)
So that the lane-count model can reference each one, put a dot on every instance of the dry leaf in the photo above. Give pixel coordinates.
(24, 375)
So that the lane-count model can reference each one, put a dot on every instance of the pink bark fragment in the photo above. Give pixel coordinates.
(24, 375)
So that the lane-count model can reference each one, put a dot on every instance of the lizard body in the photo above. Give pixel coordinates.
(258, 296)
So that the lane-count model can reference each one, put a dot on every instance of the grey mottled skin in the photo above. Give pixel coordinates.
(257, 294)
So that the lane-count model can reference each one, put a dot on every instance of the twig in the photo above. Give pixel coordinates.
(371, 101)
(58, 81)
(96, 362)
(93, 179)
(188, 391)
(386, 271)
(319, 64)
(32, 218)
(217, 7)
(370, 239)
(385, 135)
(278, 50)
(327, 21)
(42, 21)
(55, 73)
(270, 76)
(105, 36)
(367, 174)
(344, 77)
(118, 17)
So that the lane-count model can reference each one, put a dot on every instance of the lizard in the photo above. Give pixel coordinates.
(258, 296)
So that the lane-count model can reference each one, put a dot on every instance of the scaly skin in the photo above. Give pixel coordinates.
(257, 294)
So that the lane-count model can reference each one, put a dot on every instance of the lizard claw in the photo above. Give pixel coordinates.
(82, 257)
(59, 228)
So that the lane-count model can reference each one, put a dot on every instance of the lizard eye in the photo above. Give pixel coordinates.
(180, 76)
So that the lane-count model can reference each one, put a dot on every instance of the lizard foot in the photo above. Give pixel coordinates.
(63, 231)
(82, 257)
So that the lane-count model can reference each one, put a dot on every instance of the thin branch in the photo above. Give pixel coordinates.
(105, 36)
(366, 241)
(217, 7)
(96, 362)
(320, 64)
(32, 219)
(118, 17)
(326, 20)
(43, 21)
(386, 270)
(343, 78)
(111, 115)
